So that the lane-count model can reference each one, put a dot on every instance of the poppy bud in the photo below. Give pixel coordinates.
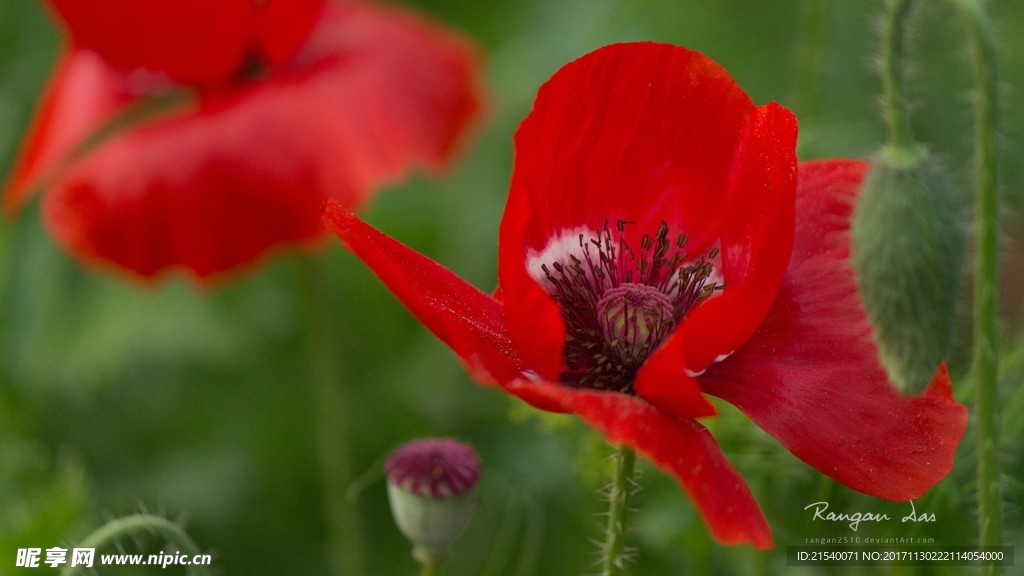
(908, 252)
(431, 489)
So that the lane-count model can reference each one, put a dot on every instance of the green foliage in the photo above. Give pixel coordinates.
(46, 496)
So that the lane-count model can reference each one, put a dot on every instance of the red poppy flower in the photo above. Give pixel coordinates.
(660, 244)
(292, 103)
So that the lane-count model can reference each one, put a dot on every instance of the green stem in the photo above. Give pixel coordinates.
(430, 570)
(6, 269)
(614, 550)
(332, 416)
(897, 105)
(986, 274)
(138, 524)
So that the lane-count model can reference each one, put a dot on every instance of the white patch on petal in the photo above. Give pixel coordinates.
(531, 375)
(716, 276)
(696, 373)
(558, 249)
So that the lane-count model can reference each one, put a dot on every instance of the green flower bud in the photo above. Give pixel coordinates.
(908, 252)
(431, 490)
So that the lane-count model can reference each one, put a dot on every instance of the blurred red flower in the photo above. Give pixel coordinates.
(289, 102)
(660, 243)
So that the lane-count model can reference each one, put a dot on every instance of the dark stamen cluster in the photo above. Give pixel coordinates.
(602, 351)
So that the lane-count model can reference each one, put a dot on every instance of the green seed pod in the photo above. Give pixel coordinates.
(431, 491)
(908, 252)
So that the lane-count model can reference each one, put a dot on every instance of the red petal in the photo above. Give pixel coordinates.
(282, 26)
(463, 317)
(639, 132)
(679, 446)
(757, 238)
(373, 94)
(664, 382)
(192, 41)
(810, 375)
(533, 319)
(81, 95)
(405, 87)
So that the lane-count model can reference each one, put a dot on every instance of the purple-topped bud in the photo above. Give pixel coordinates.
(431, 489)
(634, 319)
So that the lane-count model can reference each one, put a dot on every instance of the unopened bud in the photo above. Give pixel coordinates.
(908, 252)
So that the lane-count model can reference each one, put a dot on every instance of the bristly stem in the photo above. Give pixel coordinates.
(332, 414)
(613, 553)
(986, 274)
(137, 525)
(897, 105)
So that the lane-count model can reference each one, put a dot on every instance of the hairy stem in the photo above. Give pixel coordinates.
(897, 105)
(136, 525)
(986, 274)
(613, 557)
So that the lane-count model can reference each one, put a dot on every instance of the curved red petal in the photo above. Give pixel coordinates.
(638, 132)
(756, 241)
(641, 132)
(664, 381)
(82, 93)
(193, 41)
(533, 318)
(406, 86)
(213, 187)
(679, 446)
(757, 237)
(463, 317)
(810, 375)
(542, 394)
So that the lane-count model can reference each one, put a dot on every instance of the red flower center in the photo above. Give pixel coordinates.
(620, 304)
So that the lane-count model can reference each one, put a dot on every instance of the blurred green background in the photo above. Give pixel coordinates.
(197, 403)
